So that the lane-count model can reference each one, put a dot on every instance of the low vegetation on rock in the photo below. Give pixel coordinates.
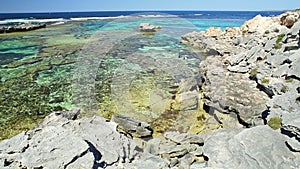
(275, 123)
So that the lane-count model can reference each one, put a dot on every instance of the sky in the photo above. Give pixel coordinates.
(19, 6)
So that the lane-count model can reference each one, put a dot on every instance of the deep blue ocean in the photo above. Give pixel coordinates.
(202, 20)
(244, 15)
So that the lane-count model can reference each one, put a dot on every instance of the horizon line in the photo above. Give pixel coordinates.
(149, 10)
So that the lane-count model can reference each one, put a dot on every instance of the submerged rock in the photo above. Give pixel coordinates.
(187, 95)
(187, 101)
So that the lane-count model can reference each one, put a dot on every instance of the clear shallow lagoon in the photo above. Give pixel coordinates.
(104, 66)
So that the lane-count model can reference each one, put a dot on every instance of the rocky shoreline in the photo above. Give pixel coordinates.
(250, 89)
(252, 72)
(21, 28)
(252, 77)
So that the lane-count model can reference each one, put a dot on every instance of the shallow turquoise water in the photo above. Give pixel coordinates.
(39, 69)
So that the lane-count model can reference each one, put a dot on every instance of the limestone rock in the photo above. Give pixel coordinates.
(270, 44)
(211, 45)
(186, 85)
(153, 146)
(251, 51)
(131, 126)
(186, 101)
(252, 77)
(286, 101)
(150, 162)
(257, 24)
(184, 138)
(147, 27)
(295, 68)
(214, 32)
(293, 144)
(186, 161)
(289, 18)
(228, 120)
(295, 29)
(258, 147)
(87, 142)
(197, 165)
(239, 68)
(174, 150)
(231, 92)
(238, 58)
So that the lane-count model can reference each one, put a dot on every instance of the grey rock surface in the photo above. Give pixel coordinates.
(186, 85)
(231, 92)
(187, 95)
(187, 101)
(270, 44)
(295, 68)
(131, 126)
(262, 56)
(150, 161)
(258, 147)
(252, 77)
(66, 143)
(293, 144)
(174, 150)
(184, 138)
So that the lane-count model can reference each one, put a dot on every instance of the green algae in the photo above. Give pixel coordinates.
(23, 96)
(17, 124)
(15, 49)
(32, 86)
(265, 80)
(15, 44)
(279, 39)
(22, 62)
